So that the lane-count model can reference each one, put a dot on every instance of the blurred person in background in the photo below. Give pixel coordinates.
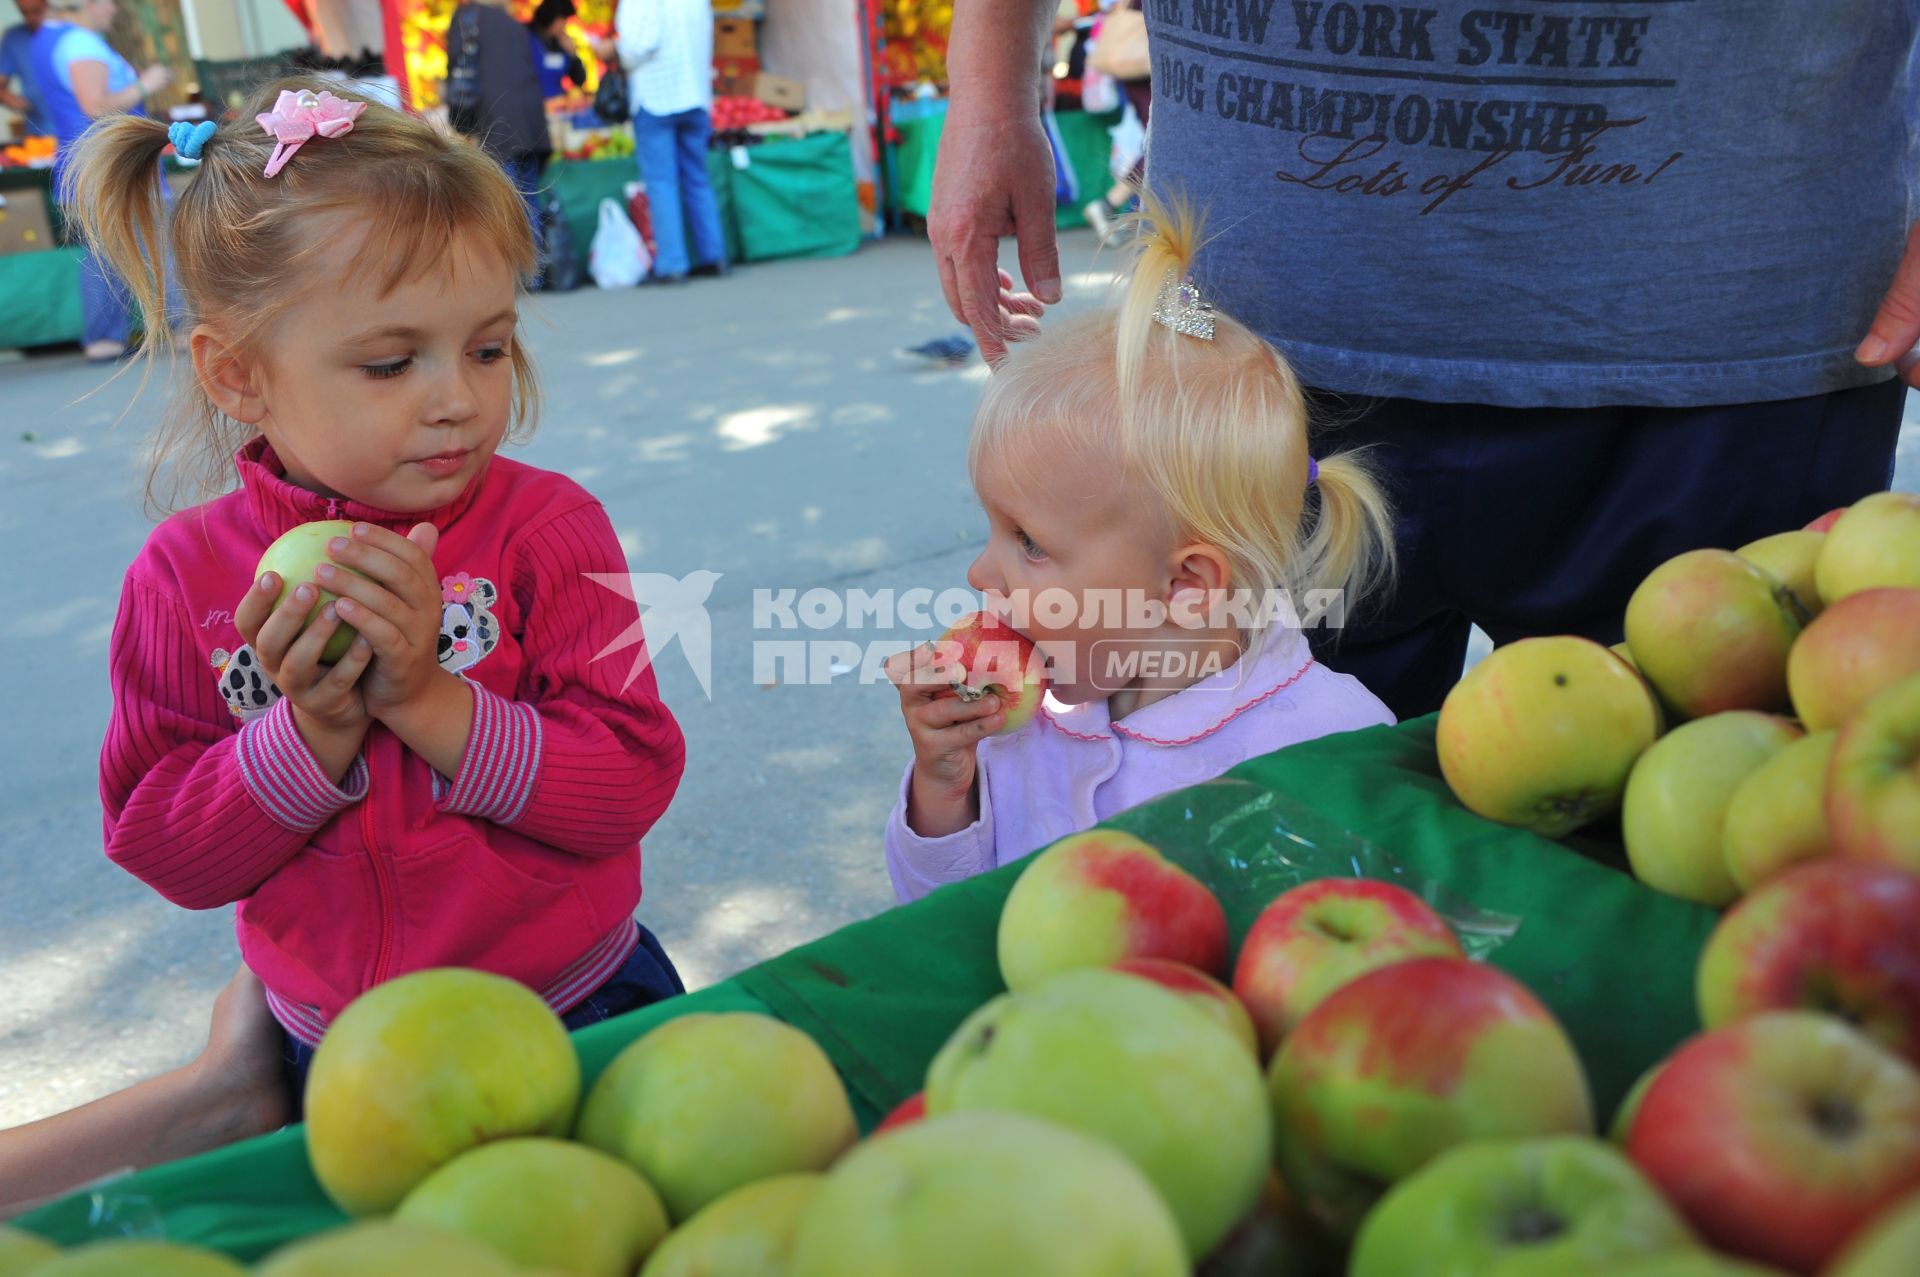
(667, 49)
(80, 79)
(511, 123)
(16, 66)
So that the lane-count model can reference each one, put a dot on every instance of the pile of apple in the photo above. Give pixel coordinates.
(1362, 1095)
(1789, 674)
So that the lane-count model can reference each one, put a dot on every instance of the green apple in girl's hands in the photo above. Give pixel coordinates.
(294, 558)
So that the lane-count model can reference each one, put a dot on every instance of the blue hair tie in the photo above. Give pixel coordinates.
(1313, 472)
(190, 139)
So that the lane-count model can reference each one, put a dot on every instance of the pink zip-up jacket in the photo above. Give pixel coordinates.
(526, 863)
(1073, 767)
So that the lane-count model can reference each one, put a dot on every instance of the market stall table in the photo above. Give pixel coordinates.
(1088, 141)
(42, 289)
(784, 197)
(1613, 959)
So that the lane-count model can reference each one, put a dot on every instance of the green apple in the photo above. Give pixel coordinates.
(1697, 1263)
(1875, 543)
(386, 1248)
(1096, 898)
(1542, 733)
(1313, 938)
(1553, 1206)
(420, 1069)
(1200, 991)
(1128, 1062)
(1674, 818)
(293, 557)
(1790, 558)
(707, 1103)
(1860, 646)
(138, 1259)
(979, 1194)
(20, 1251)
(1777, 816)
(545, 1203)
(1833, 935)
(1887, 1247)
(1623, 1117)
(1711, 631)
(1780, 1135)
(1873, 787)
(748, 1233)
(1407, 1061)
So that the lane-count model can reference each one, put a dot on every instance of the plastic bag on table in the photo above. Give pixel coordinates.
(619, 257)
(1249, 844)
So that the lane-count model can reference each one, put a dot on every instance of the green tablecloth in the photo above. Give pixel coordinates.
(1613, 959)
(1087, 140)
(792, 197)
(42, 298)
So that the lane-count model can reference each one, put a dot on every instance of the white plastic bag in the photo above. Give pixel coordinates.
(1099, 92)
(618, 258)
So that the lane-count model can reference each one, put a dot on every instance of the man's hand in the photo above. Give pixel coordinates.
(1897, 325)
(994, 176)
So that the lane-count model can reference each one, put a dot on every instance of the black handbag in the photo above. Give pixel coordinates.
(610, 99)
(462, 92)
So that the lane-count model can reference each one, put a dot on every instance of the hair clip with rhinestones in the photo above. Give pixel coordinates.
(1181, 308)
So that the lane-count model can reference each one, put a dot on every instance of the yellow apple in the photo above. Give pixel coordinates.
(1777, 817)
(544, 1203)
(1790, 557)
(707, 1103)
(138, 1259)
(386, 1248)
(1674, 817)
(294, 557)
(21, 1251)
(748, 1233)
(988, 1195)
(1542, 733)
(1711, 631)
(1875, 543)
(420, 1069)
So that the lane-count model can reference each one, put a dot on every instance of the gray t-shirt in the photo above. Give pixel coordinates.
(1548, 202)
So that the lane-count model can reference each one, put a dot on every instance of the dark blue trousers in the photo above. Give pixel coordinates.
(1531, 521)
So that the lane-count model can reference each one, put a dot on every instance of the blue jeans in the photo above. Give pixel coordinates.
(672, 150)
(104, 310)
(647, 977)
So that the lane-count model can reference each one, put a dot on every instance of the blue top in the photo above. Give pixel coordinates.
(552, 66)
(56, 47)
(16, 63)
(1674, 202)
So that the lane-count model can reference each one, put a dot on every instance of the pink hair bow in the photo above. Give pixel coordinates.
(298, 118)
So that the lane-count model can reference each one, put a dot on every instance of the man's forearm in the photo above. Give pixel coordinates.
(996, 52)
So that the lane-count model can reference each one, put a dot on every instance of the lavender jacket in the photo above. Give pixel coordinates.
(1072, 767)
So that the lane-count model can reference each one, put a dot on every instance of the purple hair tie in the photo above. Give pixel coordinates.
(1313, 472)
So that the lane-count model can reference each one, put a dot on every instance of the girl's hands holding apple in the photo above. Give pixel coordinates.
(392, 597)
(328, 708)
(945, 731)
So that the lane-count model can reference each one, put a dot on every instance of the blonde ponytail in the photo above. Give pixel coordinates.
(1350, 546)
(112, 195)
